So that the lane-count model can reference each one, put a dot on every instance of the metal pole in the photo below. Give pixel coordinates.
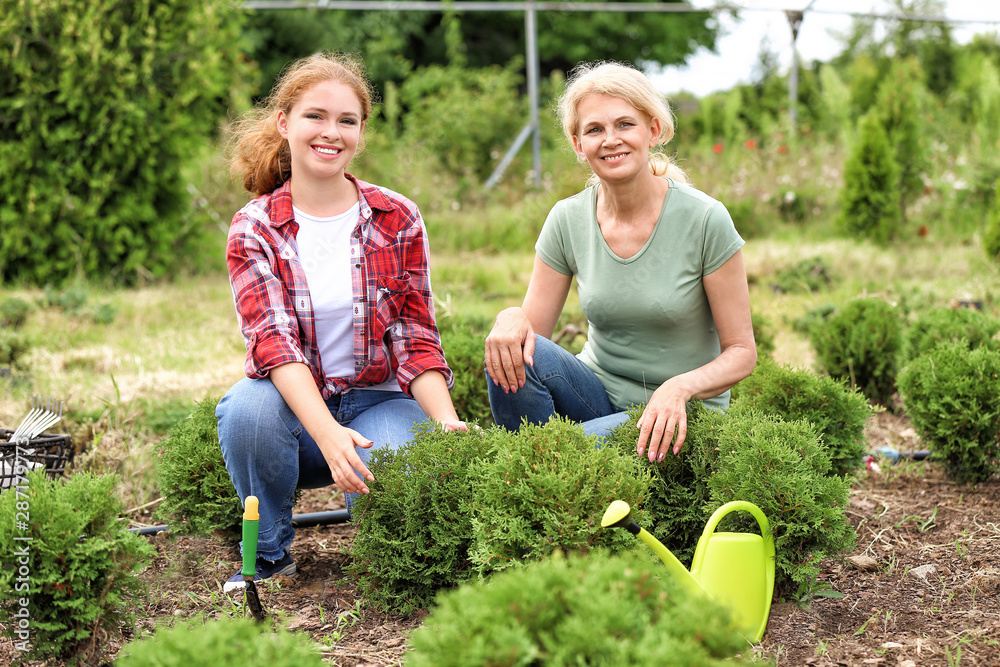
(531, 32)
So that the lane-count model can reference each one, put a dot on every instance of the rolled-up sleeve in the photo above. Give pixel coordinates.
(264, 307)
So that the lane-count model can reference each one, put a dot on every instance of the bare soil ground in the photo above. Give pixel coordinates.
(922, 586)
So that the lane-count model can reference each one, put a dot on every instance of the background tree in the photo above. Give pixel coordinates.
(101, 107)
(393, 43)
(902, 106)
(869, 204)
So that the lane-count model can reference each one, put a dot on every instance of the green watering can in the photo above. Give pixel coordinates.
(735, 569)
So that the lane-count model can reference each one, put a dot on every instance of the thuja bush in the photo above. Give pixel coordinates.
(763, 334)
(236, 641)
(860, 343)
(14, 312)
(746, 454)
(451, 506)
(949, 325)
(414, 528)
(101, 106)
(13, 346)
(784, 469)
(869, 200)
(546, 488)
(838, 413)
(69, 565)
(463, 342)
(679, 492)
(198, 494)
(951, 394)
(596, 610)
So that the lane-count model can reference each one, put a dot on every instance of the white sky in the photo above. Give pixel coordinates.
(765, 20)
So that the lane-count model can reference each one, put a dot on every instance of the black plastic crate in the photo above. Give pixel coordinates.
(51, 451)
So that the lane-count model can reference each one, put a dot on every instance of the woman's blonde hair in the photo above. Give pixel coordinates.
(261, 157)
(628, 84)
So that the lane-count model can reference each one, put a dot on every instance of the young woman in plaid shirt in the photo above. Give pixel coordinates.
(332, 288)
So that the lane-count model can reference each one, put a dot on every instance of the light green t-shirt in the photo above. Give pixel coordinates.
(648, 316)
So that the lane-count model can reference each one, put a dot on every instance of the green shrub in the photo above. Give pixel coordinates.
(618, 611)
(76, 570)
(546, 488)
(951, 325)
(13, 346)
(238, 641)
(745, 454)
(449, 505)
(679, 492)
(809, 275)
(463, 341)
(466, 117)
(197, 490)
(869, 200)
(783, 468)
(124, 93)
(14, 312)
(838, 413)
(860, 343)
(951, 394)
(991, 236)
(414, 528)
(763, 334)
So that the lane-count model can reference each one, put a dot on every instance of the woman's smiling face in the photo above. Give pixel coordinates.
(323, 129)
(614, 137)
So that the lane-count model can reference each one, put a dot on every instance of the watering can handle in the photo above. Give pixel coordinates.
(735, 506)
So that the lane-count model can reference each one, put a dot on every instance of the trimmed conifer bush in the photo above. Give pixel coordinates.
(414, 528)
(463, 342)
(746, 454)
(198, 494)
(65, 553)
(951, 395)
(869, 200)
(617, 611)
(860, 343)
(763, 334)
(838, 413)
(229, 641)
(784, 469)
(949, 325)
(546, 488)
(449, 506)
(679, 492)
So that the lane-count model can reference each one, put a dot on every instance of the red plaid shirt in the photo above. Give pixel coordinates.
(394, 329)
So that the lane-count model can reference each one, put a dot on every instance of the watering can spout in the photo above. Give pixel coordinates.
(735, 569)
(619, 514)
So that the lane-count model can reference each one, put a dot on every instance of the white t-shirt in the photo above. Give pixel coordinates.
(324, 252)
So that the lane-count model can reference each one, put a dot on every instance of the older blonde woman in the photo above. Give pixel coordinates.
(660, 274)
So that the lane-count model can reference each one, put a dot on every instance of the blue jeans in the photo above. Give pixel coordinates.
(269, 454)
(558, 384)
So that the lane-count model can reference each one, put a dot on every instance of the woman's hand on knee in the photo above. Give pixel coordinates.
(346, 466)
(509, 347)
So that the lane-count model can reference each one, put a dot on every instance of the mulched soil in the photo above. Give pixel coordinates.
(921, 588)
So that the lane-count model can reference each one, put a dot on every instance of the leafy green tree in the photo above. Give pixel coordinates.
(101, 106)
(868, 200)
(393, 42)
(902, 104)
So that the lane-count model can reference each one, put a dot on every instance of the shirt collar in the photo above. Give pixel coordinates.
(369, 196)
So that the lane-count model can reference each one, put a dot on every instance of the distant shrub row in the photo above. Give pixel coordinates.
(944, 366)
